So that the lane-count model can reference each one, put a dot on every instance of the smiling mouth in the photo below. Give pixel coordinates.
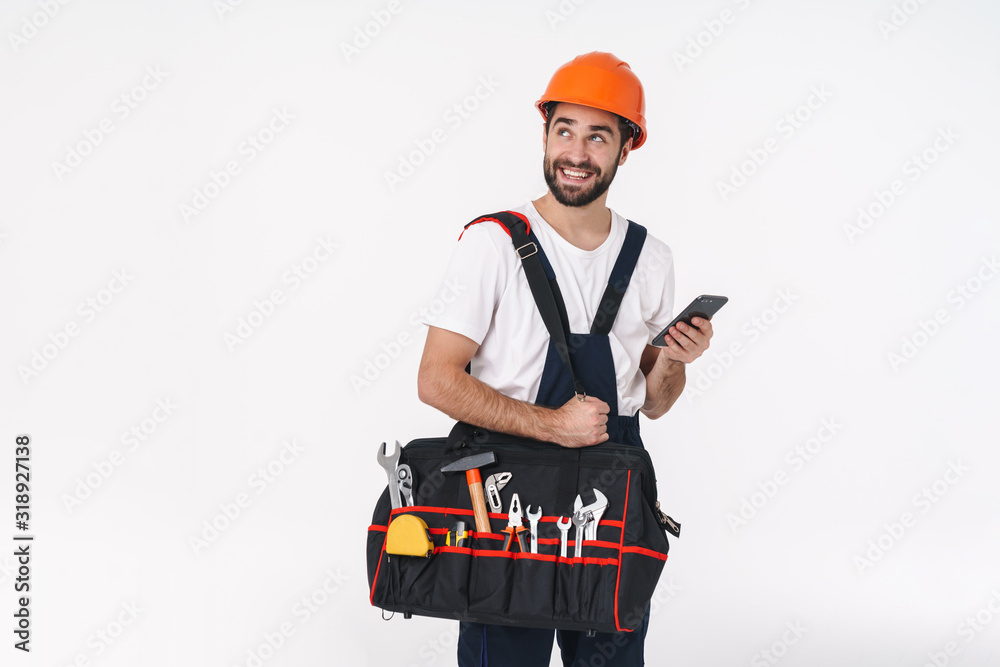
(575, 175)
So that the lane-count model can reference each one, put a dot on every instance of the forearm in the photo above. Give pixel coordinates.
(664, 384)
(465, 398)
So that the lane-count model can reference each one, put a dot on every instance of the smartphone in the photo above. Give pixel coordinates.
(704, 306)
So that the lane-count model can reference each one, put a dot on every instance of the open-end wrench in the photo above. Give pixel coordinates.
(564, 534)
(404, 478)
(533, 520)
(389, 461)
(580, 520)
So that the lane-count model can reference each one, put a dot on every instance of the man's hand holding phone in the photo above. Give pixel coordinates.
(687, 337)
(687, 342)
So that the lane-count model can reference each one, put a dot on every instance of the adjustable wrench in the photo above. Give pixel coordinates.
(533, 522)
(564, 534)
(389, 461)
(595, 510)
(579, 520)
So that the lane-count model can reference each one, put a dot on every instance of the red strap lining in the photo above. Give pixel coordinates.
(487, 218)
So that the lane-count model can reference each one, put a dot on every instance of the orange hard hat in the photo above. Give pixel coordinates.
(602, 81)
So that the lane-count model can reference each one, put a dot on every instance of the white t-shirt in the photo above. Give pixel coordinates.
(490, 302)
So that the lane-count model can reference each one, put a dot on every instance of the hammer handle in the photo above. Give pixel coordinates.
(478, 501)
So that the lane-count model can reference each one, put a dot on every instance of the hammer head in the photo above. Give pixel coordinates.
(471, 462)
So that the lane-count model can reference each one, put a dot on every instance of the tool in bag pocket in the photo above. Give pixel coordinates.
(408, 536)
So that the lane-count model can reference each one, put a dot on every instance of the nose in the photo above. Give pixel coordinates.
(577, 150)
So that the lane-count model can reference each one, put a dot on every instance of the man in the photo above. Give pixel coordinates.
(594, 110)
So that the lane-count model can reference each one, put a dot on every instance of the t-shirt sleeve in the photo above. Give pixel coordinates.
(661, 267)
(473, 283)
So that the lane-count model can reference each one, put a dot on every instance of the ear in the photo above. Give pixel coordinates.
(625, 151)
(545, 138)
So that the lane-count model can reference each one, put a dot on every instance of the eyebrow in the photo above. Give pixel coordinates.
(592, 128)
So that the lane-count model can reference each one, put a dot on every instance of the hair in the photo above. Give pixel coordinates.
(626, 128)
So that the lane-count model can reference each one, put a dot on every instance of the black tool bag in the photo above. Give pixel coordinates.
(606, 589)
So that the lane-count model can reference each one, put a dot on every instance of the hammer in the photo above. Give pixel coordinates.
(471, 465)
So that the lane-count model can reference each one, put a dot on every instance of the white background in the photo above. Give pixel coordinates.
(106, 543)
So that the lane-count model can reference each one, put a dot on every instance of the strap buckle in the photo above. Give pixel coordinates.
(534, 250)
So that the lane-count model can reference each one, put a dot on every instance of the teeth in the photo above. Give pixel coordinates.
(575, 174)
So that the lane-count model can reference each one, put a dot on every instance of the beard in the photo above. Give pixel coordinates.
(577, 195)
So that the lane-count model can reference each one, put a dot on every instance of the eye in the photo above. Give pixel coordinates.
(563, 132)
(597, 137)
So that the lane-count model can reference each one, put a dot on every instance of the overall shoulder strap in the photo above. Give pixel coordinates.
(541, 280)
(619, 279)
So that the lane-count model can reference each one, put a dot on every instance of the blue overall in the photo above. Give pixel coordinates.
(482, 645)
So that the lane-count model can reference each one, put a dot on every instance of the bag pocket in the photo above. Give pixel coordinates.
(490, 582)
(585, 588)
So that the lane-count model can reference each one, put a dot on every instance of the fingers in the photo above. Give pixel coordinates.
(687, 342)
(603, 408)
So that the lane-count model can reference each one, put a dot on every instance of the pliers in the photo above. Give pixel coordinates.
(514, 526)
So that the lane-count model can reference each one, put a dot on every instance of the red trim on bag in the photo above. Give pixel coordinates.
(621, 547)
(487, 218)
(645, 552)
(377, 527)
(371, 596)
(434, 510)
